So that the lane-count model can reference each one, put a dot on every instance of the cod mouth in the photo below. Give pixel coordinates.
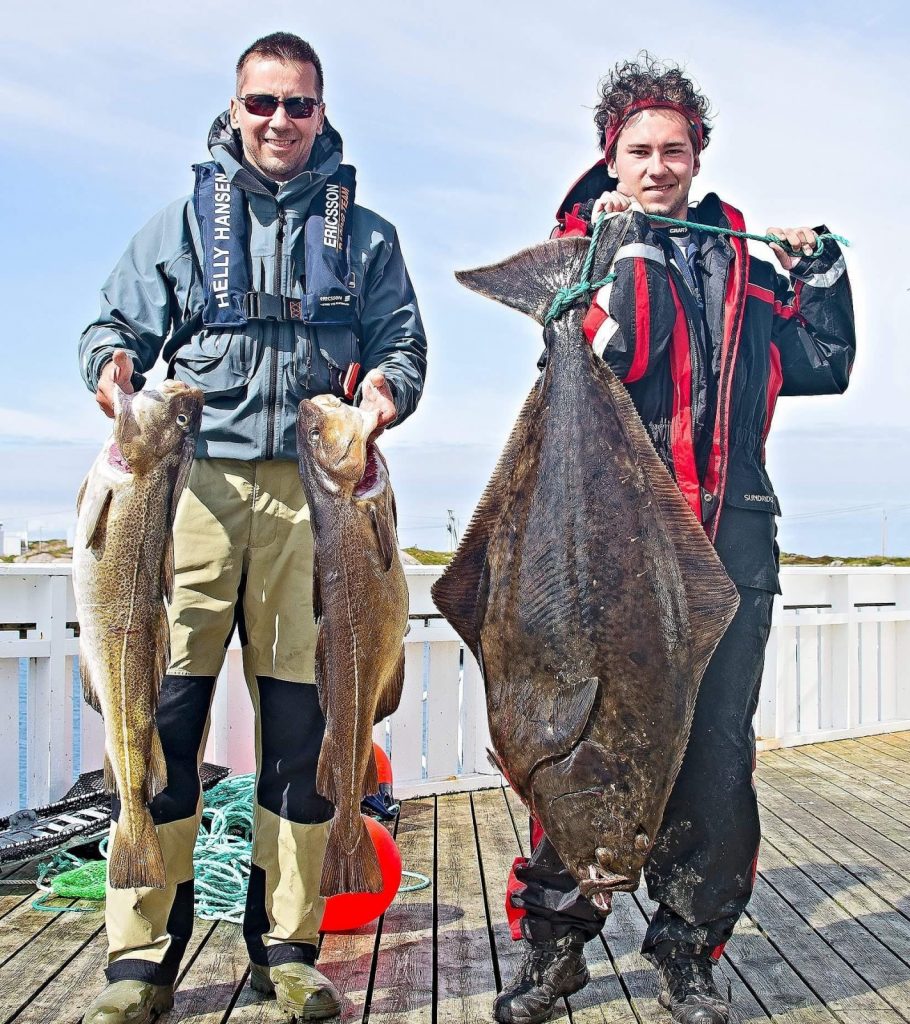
(370, 479)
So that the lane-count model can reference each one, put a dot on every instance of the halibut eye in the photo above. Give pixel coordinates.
(314, 436)
(182, 419)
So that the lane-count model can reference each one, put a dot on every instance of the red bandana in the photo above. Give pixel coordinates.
(612, 132)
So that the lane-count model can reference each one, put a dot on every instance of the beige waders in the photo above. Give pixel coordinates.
(244, 555)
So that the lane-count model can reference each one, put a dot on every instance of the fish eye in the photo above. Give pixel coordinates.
(313, 436)
(182, 419)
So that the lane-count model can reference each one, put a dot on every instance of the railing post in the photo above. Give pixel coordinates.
(50, 720)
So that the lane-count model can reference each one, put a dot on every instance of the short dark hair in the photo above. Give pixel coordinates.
(645, 78)
(289, 49)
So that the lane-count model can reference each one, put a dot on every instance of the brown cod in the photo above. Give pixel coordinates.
(588, 592)
(123, 571)
(360, 599)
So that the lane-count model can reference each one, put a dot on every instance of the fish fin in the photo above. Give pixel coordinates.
(97, 503)
(187, 455)
(371, 775)
(358, 871)
(82, 489)
(136, 861)
(320, 662)
(711, 596)
(459, 593)
(571, 710)
(156, 779)
(167, 568)
(391, 695)
(384, 529)
(325, 776)
(529, 280)
(110, 780)
(317, 591)
(89, 693)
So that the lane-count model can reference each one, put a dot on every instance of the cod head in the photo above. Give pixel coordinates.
(157, 425)
(333, 445)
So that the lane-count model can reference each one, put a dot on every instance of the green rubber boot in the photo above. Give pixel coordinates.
(302, 992)
(130, 1002)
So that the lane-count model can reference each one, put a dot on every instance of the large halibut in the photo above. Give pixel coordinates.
(589, 593)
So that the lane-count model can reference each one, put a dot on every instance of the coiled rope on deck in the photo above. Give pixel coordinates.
(221, 860)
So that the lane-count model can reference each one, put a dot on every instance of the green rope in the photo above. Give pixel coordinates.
(569, 294)
(221, 860)
(422, 882)
(711, 230)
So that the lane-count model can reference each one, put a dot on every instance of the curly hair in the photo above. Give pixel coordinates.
(646, 77)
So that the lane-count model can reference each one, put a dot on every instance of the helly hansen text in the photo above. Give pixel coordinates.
(221, 257)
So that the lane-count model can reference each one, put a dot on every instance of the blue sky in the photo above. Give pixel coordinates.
(466, 123)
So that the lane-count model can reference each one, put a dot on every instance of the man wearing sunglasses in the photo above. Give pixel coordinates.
(267, 286)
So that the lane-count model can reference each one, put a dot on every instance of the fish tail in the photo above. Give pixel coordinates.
(325, 776)
(156, 780)
(358, 871)
(135, 859)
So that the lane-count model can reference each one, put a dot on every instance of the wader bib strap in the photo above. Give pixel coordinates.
(231, 301)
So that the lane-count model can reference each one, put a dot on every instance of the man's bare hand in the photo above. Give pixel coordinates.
(803, 242)
(614, 202)
(116, 373)
(376, 397)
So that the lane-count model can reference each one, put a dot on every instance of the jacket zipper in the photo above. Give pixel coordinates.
(273, 375)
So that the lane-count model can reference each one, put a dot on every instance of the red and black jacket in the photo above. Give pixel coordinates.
(761, 336)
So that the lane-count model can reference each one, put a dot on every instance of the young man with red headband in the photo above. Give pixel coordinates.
(705, 337)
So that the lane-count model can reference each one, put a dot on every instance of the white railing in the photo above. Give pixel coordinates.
(838, 644)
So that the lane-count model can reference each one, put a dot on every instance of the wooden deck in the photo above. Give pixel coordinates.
(826, 937)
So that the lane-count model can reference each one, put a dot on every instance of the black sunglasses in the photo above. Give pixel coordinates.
(263, 105)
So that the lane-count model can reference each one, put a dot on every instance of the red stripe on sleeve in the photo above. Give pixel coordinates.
(681, 442)
(592, 321)
(642, 324)
(756, 291)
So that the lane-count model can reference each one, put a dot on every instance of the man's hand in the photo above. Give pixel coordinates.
(803, 242)
(376, 397)
(614, 202)
(116, 373)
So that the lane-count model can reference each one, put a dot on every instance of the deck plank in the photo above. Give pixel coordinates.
(825, 938)
(65, 997)
(403, 985)
(466, 985)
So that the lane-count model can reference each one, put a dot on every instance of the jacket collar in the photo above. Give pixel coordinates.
(227, 151)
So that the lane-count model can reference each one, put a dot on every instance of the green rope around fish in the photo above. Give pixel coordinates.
(567, 296)
(221, 860)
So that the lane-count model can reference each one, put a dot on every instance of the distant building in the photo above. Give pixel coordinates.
(13, 542)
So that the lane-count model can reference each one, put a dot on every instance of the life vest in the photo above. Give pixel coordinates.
(328, 305)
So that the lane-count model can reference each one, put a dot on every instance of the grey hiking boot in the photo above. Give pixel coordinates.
(130, 1002)
(302, 992)
(548, 970)
(688, 989)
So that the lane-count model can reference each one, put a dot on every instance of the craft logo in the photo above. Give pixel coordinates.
(221, 257)
(336, 205)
